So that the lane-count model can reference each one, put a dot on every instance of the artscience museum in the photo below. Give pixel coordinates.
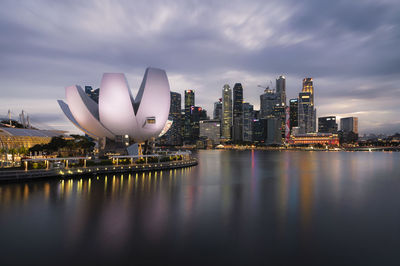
(118, 116)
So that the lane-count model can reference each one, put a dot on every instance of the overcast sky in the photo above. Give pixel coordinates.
(350, 48)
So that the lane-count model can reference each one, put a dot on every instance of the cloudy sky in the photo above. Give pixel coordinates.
(350, 48)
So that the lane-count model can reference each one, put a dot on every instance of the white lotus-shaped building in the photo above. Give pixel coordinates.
(118, 114)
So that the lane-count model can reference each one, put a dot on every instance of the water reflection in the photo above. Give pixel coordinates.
(233, 200)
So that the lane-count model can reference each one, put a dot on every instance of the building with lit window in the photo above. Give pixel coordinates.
(314, 139)
(226, 113)
(189, 102)
(327, 124)
(306, 111)
(15, 138)
(294, 110)
(210, 129)
(237, 127)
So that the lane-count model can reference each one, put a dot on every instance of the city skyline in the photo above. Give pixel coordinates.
(351, 55)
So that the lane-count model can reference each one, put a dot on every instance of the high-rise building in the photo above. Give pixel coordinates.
(237, 127)
(279, 112)
(308, 87)
(189, 102)
(226, 112)
(268, 100)
(274, 133)
(327, 124)
(248, 115)
(174, 135)
(203, 115)
(294, 110)
(259, 130)
(195, 115)
(306, 111)
(92, 93)
(218, 110)
(349, 124)
(281, 90)
(211, 129)
(348, 129)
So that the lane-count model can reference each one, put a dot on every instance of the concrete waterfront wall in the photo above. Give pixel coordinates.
(21, 175)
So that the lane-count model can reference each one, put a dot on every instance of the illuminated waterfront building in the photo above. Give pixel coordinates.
(237, 128)
(327, 124)
(14, 138)
(315, 138)
(118, 116)
(226, 113)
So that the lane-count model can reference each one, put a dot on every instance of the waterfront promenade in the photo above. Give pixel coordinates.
(31, 174)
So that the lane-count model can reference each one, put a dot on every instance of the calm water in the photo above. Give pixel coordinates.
(234, 208)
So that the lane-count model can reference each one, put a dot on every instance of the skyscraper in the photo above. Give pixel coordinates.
(281, 90)
(218, 110)
(189, 102)
(268, 100)
(237, 113)
(226, 112)
(195, 115)
(349, 124)
(306, 111)
(247, 122)
(348, 129)
(294, 110)
(327, 124)
(173, 135)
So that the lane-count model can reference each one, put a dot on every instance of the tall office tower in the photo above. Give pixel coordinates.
(281, 90)
(237, 113)
(218, 110)
(305, 113)
(349, 124)
(268, 101)
(174, 135)
(195, 114)
(279, 112)
(327, 124)
(308, 87)
(294, 110)
(189, 102)
(247, 122)
(226, 112)
(348, 129)
(92, 93)
(274, 134)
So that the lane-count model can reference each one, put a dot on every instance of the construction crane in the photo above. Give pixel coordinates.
(269, 88)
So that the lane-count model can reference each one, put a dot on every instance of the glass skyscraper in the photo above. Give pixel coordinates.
(226, 112)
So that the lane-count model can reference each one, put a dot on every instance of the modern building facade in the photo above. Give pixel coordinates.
(306, 111)
(174, 136)
(349, 124)
(118, 115)
(281, 90)
(294, 111)
(210, 129)
(237, 127)
(189, 102)
(248, 115)
(226, 131)
(327, 124)
(217, 114)
(268, 100)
